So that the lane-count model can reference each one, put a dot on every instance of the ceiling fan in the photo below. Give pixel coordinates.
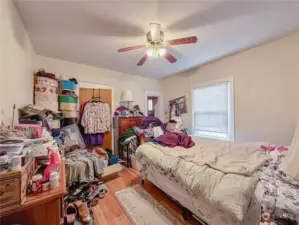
(157, 46)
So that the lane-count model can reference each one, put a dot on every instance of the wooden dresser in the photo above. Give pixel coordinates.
(45, 208)
(121, 124)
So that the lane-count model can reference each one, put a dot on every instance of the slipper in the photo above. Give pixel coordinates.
(71, 213)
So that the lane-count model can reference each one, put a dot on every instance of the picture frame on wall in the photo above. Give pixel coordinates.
(181, 102)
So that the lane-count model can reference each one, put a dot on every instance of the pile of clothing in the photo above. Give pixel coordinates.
(169, 134)
(82, 165)
(175, 139)
(123, 111)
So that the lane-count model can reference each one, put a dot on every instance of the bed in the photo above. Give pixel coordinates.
(232, 199)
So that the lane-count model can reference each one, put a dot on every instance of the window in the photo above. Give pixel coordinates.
(150, 104)
(213, 110)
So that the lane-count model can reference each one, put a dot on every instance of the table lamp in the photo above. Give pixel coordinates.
(126, 98)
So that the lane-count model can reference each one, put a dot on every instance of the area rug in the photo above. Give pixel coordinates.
(143, 209)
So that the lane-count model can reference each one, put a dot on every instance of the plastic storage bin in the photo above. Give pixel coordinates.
(69, 99)
(72, 135)
(70, 114)
(12, 147)
(68, 106)
(68, 85)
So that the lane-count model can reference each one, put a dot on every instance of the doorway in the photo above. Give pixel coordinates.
(152, 103)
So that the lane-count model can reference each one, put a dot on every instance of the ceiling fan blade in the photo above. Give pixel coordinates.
(142, 60)
(169, 57)
(131, 48)
(182, 41)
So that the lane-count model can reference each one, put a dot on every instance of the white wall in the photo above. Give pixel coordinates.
(266, 81)
(118, 81)
(16, 53)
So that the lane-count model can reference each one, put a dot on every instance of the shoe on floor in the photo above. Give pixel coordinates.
(71, 213)
(83, 211)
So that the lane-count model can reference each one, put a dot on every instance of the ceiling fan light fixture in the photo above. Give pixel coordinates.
(162, 51)
(150, 52)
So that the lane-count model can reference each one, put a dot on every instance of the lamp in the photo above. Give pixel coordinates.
(126, 97)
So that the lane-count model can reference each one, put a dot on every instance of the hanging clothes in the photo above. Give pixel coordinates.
(96, 118)
(93, 139)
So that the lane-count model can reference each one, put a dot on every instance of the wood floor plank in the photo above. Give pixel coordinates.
(109, 212)
(124, 220)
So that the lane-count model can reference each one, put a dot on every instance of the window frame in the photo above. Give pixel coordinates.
(231, 107)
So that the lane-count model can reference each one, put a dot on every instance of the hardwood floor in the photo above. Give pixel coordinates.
(109, 212)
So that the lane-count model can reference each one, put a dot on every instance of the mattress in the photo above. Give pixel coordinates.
(271, 193)
(204, 210)
(199, 206)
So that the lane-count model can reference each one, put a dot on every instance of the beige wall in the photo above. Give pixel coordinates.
(266, 86)
(16, 54)
(118, 81)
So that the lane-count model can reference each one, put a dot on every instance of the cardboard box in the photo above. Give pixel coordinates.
(13, 186)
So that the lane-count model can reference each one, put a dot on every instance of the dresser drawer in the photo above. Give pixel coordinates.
(123, 123)
(126, 123)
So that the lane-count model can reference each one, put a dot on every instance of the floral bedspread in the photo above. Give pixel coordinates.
(280, 196)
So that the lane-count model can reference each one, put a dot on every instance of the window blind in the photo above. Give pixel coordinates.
(210, 107)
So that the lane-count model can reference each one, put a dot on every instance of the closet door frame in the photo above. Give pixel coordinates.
(100, 86)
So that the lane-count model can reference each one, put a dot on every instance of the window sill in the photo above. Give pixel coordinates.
(212, 135)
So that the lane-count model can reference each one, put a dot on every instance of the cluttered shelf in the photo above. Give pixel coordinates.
(36, 200)
(46, 196)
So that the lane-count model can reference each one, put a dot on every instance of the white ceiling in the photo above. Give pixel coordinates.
(90, 32)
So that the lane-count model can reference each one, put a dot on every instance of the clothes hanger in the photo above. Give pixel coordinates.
(95, 99)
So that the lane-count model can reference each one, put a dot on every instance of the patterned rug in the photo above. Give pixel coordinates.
(142, 209)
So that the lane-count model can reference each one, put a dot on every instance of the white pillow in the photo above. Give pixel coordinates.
(289, 164)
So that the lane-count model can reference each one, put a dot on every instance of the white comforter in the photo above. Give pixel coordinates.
(231, 191)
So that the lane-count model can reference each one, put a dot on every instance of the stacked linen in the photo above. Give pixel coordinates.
(68, 102)
(46, 93)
